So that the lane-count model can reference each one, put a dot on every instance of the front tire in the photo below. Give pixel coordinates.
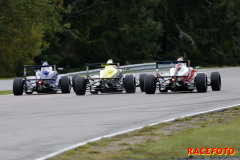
(80, 85)
(141, 81)
(65, 84)
(215, 81)
(73, 80)
(201, 82)
(18, 86)
(130, 84)
(150, 84)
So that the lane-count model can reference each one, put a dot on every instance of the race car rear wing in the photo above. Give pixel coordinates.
(101, 65)
(172, 62)
(37, 67)
(34, 79)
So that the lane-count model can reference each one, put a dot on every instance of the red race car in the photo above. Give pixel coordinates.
(181, 77)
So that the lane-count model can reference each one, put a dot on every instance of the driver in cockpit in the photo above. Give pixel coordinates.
(47, 69)
(109, 70)
(179, 65)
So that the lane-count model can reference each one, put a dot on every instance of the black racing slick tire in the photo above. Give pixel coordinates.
(18, 86)
(65, 84)
(201, 82)
(150, 84)
(215, 81)
(141, 81)
(130, 83)
(73, 80)
(80, 85)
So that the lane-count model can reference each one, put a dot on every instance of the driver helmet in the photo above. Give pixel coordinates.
(45, 63)
(180, 59)
(109, 61)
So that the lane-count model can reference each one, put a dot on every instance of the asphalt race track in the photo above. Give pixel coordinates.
(35, 125)
(6, 85)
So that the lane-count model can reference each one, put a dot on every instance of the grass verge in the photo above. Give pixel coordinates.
(6, 78)
(6, 92)
(167, 140)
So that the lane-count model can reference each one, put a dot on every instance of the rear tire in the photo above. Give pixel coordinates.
(215, 81)
(141, 81)
(130, 84)
(201, 82)
(65, 84)
(73, 80)
(80, 85)
(150, 84)
(18, 86)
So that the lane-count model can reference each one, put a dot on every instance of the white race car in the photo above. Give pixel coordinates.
(181, 77)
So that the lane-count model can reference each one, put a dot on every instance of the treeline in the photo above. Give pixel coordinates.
(71, 33)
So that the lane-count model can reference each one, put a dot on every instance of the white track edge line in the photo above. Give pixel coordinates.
(129, 130)
(6, 95)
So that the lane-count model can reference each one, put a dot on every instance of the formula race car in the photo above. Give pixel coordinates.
(46, 80)
(181, 77)
(110, 79)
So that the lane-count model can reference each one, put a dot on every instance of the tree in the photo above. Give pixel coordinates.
(204, 31)
(101, 29)
(25, 26)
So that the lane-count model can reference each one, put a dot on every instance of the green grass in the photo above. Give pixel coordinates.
(6, 78)
(167, 140)
(6, 92)
(226, 135)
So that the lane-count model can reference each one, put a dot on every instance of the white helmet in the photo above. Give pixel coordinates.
(180, 58)
(45, 63)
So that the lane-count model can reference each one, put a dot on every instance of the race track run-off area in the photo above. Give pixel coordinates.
(33, 126)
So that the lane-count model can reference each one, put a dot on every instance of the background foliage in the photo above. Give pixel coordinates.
(71, 33)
